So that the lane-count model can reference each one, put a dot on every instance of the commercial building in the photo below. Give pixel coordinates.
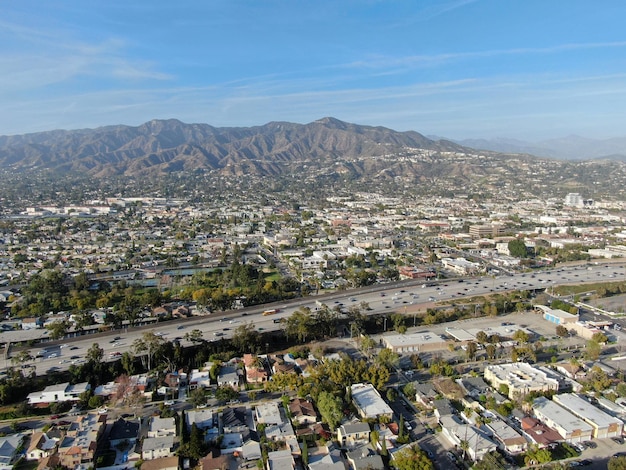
(558, 316)
(369, 403)
(486, 231)
(569, 426)
(603, 424)
(415, 342)
(520, 378)
(460, 265)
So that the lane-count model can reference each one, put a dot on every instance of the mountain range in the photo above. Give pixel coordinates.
(163, 146)
(572, 147)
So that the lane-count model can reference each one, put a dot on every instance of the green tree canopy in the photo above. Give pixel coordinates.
(412, 458)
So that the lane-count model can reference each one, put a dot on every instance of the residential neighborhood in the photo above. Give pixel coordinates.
(440, 380)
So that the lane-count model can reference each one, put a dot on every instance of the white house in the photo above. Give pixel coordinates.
(160, 427)
(58, 393)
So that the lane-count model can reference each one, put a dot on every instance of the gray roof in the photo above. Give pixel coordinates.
(156, 443)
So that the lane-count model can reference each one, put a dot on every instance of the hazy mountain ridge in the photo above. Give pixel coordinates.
(169, 145)
(571, 147)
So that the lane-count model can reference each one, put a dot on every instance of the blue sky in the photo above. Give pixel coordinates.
(527, 69)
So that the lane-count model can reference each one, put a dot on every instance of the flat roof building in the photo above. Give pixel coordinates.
(569, 426)
(368, 402)
(603, 424)
(557, 316)
(415, 342)
(520, 378)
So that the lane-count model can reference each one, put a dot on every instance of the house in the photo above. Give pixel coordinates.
(474, 386)
(157, 447)
(40, 446)
(228, 377)
(280, 460)
(282, 366)
(352, 435)
(233, 420)
(268, 413)
(443, 407)
(302, 411)
(124, 431)
(58, 393)
(507, 438)
(425, 393)
(218, 462)
(255, 369)
(203, 419)
(199, 379)
(326, 458)
(32, 323)
(79, 445)
(160, 427)
(538, 433)
(456, 431)
(164, 463)
(365, 458)
(369, 403)
(10, 447)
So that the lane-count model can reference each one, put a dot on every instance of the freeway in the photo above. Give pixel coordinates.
(406, 297)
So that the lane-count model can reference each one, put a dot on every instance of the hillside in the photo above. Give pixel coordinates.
(165, 146)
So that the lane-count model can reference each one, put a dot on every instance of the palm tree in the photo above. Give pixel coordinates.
(464, 445)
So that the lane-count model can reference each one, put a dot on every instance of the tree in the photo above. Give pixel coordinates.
(58, 329)
(412, 458)
(367, 343)
(518, 248)
(537, 456)
(194, 336)
(387, 358)
(330, 408)
(490, 349)
(128, 363)
(617, 463)
(562, 331)
(146, 347)
(464, 445)
(246, 338)
(196, 442)
(21, 357)
(593, 350)
(197, 397)
(482, 337)
(521, 336)
(299, 324)
(95, 354)
(471, 350)
(226, 393)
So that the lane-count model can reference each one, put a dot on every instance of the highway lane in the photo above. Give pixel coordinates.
(402, 297)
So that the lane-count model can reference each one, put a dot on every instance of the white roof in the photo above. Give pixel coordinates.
(585, 410)
(422, 337)
(560, 416)
(369, 401)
